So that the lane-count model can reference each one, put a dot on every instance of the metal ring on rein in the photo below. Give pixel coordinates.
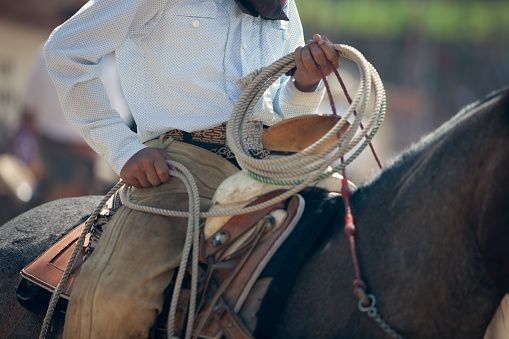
(370, 308)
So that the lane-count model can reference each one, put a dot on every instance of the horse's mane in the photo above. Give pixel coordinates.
(415, 149)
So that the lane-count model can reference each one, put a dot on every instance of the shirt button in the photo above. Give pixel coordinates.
(195, 23)
(244, 46)
(286, 35)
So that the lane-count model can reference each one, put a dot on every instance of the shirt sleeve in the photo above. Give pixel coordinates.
(73, 53)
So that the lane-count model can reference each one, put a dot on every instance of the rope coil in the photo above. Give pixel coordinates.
(305, 168)
(308, 165)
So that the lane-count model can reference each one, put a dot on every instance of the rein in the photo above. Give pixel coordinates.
(366, 302)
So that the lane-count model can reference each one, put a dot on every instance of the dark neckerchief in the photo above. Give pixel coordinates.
(266, 9)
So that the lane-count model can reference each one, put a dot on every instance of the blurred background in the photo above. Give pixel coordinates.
(434, 57)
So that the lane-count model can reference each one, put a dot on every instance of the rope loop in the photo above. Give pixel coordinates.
(310, 166)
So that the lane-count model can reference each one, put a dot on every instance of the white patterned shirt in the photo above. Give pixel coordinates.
(179, 62)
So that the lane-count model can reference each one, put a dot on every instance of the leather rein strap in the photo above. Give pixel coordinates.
(366, 302)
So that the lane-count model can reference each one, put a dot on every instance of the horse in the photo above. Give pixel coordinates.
(431, 236)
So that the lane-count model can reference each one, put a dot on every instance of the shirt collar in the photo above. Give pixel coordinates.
(266, 9)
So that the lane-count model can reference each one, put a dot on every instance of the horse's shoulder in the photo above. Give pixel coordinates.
(28, 234)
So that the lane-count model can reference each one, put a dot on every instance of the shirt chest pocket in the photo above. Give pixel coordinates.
(198, 24)
(194, 38)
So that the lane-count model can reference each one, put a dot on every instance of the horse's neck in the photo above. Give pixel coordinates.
(424, 224)
(450, 171)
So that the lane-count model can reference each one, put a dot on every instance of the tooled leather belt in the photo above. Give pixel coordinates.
(214, 140)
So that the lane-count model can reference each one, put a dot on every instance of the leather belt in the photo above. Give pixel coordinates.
(215, 135)
(212, 139)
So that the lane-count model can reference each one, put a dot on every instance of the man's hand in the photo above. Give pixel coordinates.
(317, 57)
(146, 168)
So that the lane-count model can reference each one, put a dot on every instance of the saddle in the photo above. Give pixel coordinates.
(232, 259)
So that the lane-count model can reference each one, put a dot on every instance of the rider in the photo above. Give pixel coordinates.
(179, 63)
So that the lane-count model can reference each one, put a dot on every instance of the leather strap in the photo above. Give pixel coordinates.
(231, 280)
(223, 323)
(232, 326)
(47, 269)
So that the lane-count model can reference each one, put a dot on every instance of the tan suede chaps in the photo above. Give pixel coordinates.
(119, 290)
